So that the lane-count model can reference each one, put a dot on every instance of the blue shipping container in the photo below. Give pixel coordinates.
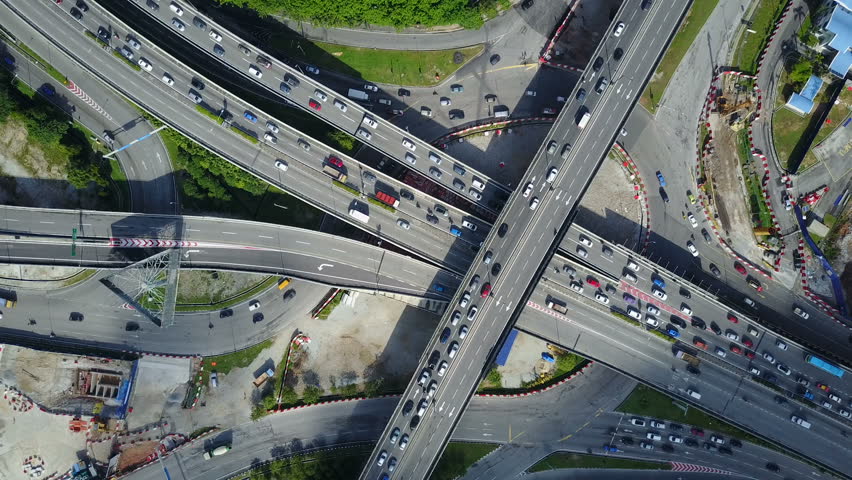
(507, 347)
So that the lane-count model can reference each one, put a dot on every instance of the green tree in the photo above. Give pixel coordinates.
(801, 72)
(289, 396)
(311, 394)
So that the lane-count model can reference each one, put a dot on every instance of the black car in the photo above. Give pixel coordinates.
(403, 92)
(495, 59)
(667, 448)
(407, 408)
(527, 4)
(725, 451)
(698, 323)
(199, 23)
(715, 270)
(226, 313)
(581, 95)
(82, 6)
(646, 4)
(706, 235)
(76, 317)
(598, 64)
(456, 114)
(198, 84)
(569, 270)
(153, 5)
(664, 195)
(627, 440)
(678, 321)
(257, 318)
(289, 295)
(291, 80)
(690, 442)
(780, 400)
(495, 270)
(772, 467)
(685, 293)
(104, 34)
(501, 232)
(736, 443)
(675, 427)
(432, 219)
(131, 326)
(414, 422)
(693, 370)
(433, 359)
(406, 194)
(715, 328)
(617, 54)
(445, 335)
(76, 13)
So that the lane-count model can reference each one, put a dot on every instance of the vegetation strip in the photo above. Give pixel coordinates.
(237, 299)
(559, 460)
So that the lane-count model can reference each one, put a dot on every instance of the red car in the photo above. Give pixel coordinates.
(699, 343)
(697, 432)
(738, 267)
(486, 290)
(732, 318)
(593, 282)
(823, 387)
(749, 354)
(736, 349)
(315, 105)
(747, 342)
(335, 161)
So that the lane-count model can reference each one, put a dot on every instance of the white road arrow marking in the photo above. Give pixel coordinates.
(324, 265)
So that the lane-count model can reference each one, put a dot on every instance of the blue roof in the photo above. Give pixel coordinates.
(804, 102)
(841, 25)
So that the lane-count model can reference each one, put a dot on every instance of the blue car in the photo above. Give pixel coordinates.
(661, 179)
(250, 117)
(673, 333)
(547, 357)
(438, 288)
(445, 335)
(456, 231)
(9, 60)
(610, 448)
(659, 282)
(809, 395)
(47, 90)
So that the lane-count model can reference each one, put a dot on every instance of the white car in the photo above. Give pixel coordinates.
(409, 144)
(465, 299)
(424, 376)
(653, 310)
(577, 287)
(600, 297)
(528, 189)
(454, 348)
(382, 456)
(145, 64)
(551, 175)
(844, 413)
(630, 277)
(748, 301)
(255, 71)
(658, 424)
(312, 69)
(446, 102)
(633, 266)
(433, 387)
(340, 105)
(769, 358)
(272, 127)
(364, 133)
(320, 95)
(633, 313)
(754, 371)
(784, 369)
(586, 240)
(732, 335)
(721, 352)
(215, 35)
(533, 203)
(637, 421)
(410, 158)
(463, 332)
(653, 436)
(781, 345)
(582, 252)
(442, 368)
(691, 247)
(281, 165)
(652, 321)
(168, 80)
(134, 43)
(270, 138)
(371, 88)
(178, 24)
(798, 311)
(834, 398)
(684, 308)
(618, 29)
(254, 304)
(176, 8)
(692, 220)
(659, 294)
(370, 122)
(403, 442)
(675, 438)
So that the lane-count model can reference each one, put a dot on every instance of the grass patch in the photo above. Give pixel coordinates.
(25, 89)
(755, 198)
(340, 463)
(458, 457)
(126, 60)
(56, 74)
(79, 277)
(829, 220)
(381, 205)
(240, 359)
(119, 179)
(248, 294)
(217, 117)
(627, 319)
(96, 38)
(326, 311)
(751, 45)
(396, 67)
(244, 134)
(692, 24)
(575, 460)
(663, 335)
(339, 184)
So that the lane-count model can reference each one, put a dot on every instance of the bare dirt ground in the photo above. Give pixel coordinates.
(159, 381)
(375, 338)
(29, 178)
(584, 31)
(36, 433)
(524, 362)
(197, 286)
(608, 207)
(35, 272)
(48, 378)
(136, 454)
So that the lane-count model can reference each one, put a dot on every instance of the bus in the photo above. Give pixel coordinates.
(283, 283)
(823, 365)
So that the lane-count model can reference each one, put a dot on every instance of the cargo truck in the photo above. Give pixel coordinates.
(388, 200)
(688, 358)
(359, 215)
(358, 95)
(263, 377)
(220, 450)
(334, 173)
(8, 301)
(557, 306)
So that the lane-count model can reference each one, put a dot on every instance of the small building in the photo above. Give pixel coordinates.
(837, 34)
(803, 102)
(818, 228)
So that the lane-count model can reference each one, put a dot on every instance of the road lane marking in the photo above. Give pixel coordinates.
(264, 236)
(228, 233)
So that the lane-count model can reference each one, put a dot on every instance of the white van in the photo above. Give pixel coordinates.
(692, 393)
(501, 111)
(800, 421)
(477, 184)
(584, 119)
(359, 215)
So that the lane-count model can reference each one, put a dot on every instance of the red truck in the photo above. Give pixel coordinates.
(389, 200)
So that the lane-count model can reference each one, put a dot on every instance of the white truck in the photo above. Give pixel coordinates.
(556, 306)
(358, 95)
(359, 215)
(220, 450)
(584, 120)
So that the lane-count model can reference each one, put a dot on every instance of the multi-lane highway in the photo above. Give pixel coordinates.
(302, 89)
(303, 177)
(549, 192)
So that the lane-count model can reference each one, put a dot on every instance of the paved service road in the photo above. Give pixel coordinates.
(338, 110)
(303, 177)
(528, 219)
